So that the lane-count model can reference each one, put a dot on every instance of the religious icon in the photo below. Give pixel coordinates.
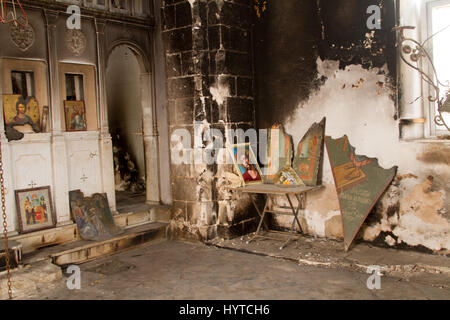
(34, 209)
(245, 163)
(93, 216)
(279, 150)
(287, 177)
(359, 181)
(75, 114)
(21, 114)
(308, 157)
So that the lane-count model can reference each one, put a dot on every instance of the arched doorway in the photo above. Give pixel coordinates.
(129, 101)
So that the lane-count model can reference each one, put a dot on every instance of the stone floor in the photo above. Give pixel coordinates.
(328, 253)
(180, 270)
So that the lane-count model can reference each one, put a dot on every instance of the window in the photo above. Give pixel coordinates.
(23, 83)
(137, 8)
(74, 87)
(95, 3)
(438, 13)
(432, 29)
(119, 4)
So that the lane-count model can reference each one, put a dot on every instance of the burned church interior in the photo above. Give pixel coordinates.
(225, 149)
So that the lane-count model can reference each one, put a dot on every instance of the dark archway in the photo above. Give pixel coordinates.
(129, 99)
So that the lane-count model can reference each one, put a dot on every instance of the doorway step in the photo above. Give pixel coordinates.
(41, 240)
(81, 251)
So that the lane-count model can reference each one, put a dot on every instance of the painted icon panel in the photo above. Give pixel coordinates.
(21, 114)
(92, 216)
(359, 181)
(279, 150)
(308, 157)
(288, 177)
(245, 163)
(75, 115)
(34, 209)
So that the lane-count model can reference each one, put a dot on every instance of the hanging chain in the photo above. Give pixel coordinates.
(5, 232)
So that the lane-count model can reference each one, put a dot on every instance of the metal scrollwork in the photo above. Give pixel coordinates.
(412, 52)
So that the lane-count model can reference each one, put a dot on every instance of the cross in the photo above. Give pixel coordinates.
(84, 178)
(32, 184)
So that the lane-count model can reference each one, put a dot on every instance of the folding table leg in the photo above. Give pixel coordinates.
(259, 212)
(301, 198)
(261, 220)
(295, 212)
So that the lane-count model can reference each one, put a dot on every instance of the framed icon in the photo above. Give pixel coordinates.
(75, 115)
(245, 163)
(34, 209)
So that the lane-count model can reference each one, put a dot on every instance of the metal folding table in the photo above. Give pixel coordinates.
(299, 192)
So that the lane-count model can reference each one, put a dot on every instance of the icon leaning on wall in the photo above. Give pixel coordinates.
(245, 163)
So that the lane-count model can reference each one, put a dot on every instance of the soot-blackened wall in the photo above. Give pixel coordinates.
(292, 34)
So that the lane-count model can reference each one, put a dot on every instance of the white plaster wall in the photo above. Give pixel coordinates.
(356, 102)
(28, 163)
(364, 112)
(84, 162)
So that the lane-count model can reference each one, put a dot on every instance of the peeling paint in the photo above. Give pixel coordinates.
(414, 231)
(358, 84)
(416, 219)
(369, 40)
(424, 204)
(413, 211)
